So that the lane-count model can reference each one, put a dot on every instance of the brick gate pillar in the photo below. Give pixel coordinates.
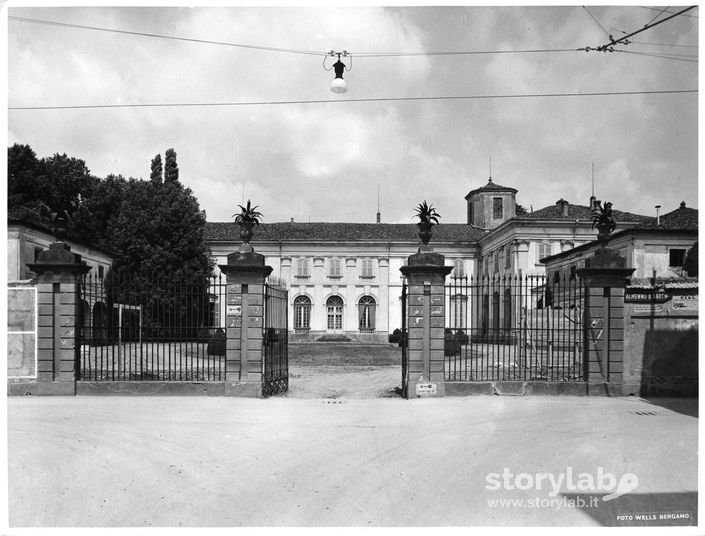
(425, 273)
(58, 272)
(605, 276)
(245, 274)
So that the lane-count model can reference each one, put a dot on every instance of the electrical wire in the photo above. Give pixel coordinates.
(613, 42)
(664, 10)
(675, 57)
(162, 36)
(597, 22)
(293, 51)
(663, 44)
(381, 99)
(669, 12)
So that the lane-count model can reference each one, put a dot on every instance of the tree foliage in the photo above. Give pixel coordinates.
(171, 169)
(39, 187)
(156, 174)
(149, 226)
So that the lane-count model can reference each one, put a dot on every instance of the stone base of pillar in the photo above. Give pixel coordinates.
(605, 389)
(243, 389)
(426, 389)
(35, 388)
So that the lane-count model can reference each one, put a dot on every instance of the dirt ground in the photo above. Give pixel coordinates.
(343, 370)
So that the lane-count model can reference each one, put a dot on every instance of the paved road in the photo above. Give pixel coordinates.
(199, 462)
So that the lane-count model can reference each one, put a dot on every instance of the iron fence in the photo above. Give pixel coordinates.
(514, 328)
(137, 327)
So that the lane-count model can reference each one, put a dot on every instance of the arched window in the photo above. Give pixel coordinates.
(367, 307)
(458, 311)
(495, 311)
(302, 313)
(334, 309)
(507, 311)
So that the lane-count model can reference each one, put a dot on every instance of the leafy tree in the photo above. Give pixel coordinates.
(91, 222)
(38, 188)
(171, 169)
(156, 174)
(520, 210)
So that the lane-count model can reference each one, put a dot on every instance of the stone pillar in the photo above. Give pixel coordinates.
(425, 274)
(246, 273)
(58, 271)
(604, 277)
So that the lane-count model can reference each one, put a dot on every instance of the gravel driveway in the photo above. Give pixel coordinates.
(343, 370)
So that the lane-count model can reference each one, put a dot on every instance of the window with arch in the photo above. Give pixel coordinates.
(366, 310)
(334, 309)
(458, 311)
(302, 312)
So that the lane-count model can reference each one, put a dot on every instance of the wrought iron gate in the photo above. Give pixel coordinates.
(514, 328)
(275, 362)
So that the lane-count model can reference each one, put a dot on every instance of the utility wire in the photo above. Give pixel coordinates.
(161, 36)
(597, 22)
(657, 9)
(663, 44)
(390, 99)
(293, 51)
(675, 57)
(664, 10)
(608, 46)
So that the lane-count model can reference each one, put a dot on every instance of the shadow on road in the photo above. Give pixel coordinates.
(686, 406)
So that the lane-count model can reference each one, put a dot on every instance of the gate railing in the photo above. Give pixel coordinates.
(514, 328)
(137, 328)
(275, 373)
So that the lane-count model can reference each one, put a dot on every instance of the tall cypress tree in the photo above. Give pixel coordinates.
(171, 169)
(156, 174)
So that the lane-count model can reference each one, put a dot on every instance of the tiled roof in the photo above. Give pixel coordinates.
(681, 219)
(581, 212)
(491, 187)
(338, 232)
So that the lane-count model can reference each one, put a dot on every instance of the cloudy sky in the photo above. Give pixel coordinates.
(326, 160)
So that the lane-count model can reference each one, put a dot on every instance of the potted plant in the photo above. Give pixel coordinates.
(428, 217)
(247, 218)
(59, 223)
(603, 219)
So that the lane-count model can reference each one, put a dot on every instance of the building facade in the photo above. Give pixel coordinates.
(345, 279)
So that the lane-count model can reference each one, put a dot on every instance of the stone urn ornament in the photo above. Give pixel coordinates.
(247, 218)
(603, 219)
(59, 224)
(428, 217)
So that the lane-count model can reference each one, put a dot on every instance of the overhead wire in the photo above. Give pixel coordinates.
(597, 22)
(670, 12)
(289, 50)
(341, 101)
(676, 57)
(665, 9)
(613, 42)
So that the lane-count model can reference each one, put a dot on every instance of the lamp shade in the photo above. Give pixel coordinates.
(338, 85)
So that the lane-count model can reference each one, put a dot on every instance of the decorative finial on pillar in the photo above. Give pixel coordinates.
(247, 218)
(603, 219)
(428, 217)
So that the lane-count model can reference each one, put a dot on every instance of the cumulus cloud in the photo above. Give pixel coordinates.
(326, 161)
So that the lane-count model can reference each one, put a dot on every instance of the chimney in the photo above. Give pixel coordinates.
(658, 216)
(682, 204)
(379, 218)
(292, 220)
(562, 205)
